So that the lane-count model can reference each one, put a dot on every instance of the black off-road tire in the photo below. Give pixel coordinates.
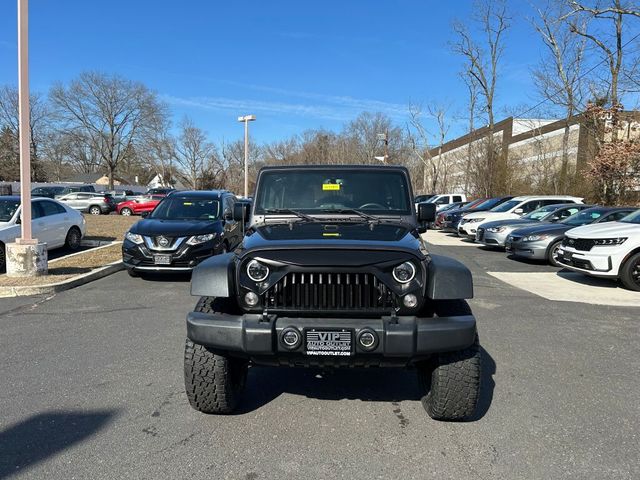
(3, 257)
(213, 382)
(630, 272)
(452, 379)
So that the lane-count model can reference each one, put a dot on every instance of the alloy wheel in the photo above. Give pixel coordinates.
(635, 273)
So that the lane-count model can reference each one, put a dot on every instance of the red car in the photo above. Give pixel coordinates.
(144, 203)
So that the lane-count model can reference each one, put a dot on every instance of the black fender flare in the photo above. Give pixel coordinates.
(448, 279)
(213, 277)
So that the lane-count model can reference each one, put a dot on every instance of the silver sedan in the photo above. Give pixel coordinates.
(495, 234)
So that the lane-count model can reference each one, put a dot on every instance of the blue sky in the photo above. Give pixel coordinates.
(295, 64)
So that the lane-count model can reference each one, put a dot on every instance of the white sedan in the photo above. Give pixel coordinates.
(52, 223)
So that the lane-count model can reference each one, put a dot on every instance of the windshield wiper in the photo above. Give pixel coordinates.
(287, 211)
(366, 216)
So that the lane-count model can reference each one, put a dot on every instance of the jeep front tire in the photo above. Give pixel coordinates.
(213, 382)
(451, 380)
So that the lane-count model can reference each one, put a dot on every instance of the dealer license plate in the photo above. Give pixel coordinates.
(328, 342)
(162, 259)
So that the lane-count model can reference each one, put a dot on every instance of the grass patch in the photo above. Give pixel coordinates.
(108, 227)
(68, 267)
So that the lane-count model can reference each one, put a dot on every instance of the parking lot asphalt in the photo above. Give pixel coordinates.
(92, 388)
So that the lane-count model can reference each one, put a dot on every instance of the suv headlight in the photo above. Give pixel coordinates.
(533, 238)
(610, 241)
(134, 237)
(257, 271)
(475, 220)
(404, 272)
(198, 239)
(496, 229)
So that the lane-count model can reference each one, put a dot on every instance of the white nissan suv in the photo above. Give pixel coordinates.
(514, 208)
(610, 250)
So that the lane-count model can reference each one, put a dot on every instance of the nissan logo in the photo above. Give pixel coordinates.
(163, 241)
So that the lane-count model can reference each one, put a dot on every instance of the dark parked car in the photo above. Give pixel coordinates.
(48, 192)
(184, 229)
(77, 188)
(452, 219)
(160, 191)
(120, 196)
(333, 273)
(541, 242)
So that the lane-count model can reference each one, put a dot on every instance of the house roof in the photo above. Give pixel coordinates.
(94, 177)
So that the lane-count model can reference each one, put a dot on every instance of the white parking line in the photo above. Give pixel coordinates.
(436, 237)
(571, 287)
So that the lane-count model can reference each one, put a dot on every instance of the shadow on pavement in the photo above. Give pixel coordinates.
(165, 277)
(44, 435)
(265, 384)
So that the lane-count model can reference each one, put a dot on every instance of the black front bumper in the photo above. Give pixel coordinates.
(401, 340)
(139, 258)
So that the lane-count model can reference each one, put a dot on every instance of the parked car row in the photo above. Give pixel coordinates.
(561, 230)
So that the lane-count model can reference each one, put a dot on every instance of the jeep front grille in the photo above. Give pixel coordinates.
(329, 291)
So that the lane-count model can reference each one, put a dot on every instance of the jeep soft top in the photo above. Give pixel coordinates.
(333, 272)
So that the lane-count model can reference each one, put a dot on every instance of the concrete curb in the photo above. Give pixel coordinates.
(73, 282)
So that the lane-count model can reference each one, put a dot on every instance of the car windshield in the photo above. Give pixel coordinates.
(187, 208)
(582, 218)
(540, 213)
(633, 217)
(506, 206)
(8, 209)
(325, 190)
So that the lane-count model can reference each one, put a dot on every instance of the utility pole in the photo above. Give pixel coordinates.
(246, 119)
(26, 256)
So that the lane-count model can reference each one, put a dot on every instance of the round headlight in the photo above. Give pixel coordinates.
(257, 271)
(404, 272)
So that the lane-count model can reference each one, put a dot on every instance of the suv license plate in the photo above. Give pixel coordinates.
(162, 259)
(328, 342)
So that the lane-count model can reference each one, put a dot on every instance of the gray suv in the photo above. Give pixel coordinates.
(93, 203)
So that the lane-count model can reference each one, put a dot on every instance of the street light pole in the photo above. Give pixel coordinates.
(24, 133)
(246, 119)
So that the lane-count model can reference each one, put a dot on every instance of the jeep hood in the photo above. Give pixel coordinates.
(339, 235)
(605, 230)
(175, 228)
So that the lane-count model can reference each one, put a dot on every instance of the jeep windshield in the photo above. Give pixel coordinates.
(339, 191)
(187, 208)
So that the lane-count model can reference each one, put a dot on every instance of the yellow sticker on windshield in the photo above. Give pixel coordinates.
(330, 186)
(187, 204)
(330, 234)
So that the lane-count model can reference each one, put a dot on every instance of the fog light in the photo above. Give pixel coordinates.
(368, 339)
(291, 337)
(251, 299)
(410, 300)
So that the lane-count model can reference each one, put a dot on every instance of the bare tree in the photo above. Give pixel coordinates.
(472, 90)
(559, 73)
(107, 111)
(39, 124)
(482, 63)
(193, 152)
(160, 148)
(608, 40)
(435, 168)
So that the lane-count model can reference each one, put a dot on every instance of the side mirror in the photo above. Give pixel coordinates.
(144, 214)
(227, 214)
(555, 218)
(518, 211)
(241, 212)
(426, 212)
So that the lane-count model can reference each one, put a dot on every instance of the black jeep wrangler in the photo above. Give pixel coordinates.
(332, 272)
